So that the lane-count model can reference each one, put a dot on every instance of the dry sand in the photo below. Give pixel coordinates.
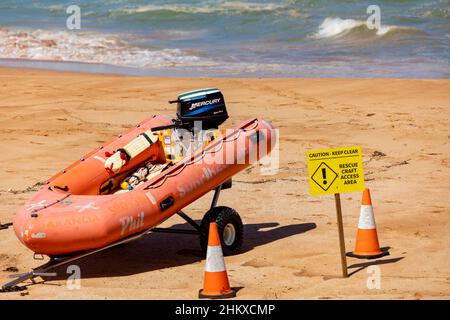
(291, 251)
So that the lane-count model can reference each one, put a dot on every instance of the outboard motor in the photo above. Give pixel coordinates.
(205, 105)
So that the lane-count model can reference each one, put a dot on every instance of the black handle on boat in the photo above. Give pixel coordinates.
(166, 203)
(175, 124)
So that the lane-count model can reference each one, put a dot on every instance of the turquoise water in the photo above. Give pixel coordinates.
(302, 38)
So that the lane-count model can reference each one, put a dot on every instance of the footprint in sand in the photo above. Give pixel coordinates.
(257, 263)
(301, 273)
(11, 269)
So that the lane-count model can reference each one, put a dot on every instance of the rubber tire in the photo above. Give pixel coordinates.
(222, 216)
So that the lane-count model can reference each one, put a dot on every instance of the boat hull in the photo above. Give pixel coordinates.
(59, 222)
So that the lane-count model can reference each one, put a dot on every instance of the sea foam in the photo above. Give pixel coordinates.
(335, 27)
(91, 48)
(225, 7)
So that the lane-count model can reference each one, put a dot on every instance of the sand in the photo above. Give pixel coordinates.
(291, 251)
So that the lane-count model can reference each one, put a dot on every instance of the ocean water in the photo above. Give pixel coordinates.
(298, 38)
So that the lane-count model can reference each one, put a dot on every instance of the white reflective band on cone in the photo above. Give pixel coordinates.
(214, 259)
(366, 218)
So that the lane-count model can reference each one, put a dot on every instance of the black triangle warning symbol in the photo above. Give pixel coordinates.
(324, 176)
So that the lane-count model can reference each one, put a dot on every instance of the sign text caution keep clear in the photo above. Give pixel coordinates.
(336, 170)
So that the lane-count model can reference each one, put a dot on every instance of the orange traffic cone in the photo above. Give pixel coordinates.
(367, 246)
(215, 285)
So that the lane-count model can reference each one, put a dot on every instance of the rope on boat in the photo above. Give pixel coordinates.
(202, 155)
(51, 204)
(195, 159)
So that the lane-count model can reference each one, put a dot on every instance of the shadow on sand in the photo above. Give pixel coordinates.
(164, 250)
(361, 266)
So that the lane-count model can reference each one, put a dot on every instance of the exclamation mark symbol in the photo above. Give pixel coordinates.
(324, 175)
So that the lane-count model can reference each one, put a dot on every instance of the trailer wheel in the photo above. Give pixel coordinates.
(230, 227)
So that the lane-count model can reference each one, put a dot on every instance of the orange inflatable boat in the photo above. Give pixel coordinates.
(95, 202)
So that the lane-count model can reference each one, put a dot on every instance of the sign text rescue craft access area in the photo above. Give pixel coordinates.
(335, 170)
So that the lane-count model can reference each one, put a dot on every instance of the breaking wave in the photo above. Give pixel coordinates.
(335, 27)
(90, 48)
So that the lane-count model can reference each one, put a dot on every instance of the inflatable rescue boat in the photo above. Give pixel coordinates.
(142, 177)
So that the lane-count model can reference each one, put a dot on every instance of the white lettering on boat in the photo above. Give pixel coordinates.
(203, 103)
(73, 220)
(130, 223)
(38, 235)
(208, 174)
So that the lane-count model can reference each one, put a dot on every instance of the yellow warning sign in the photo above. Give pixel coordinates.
(337, 170)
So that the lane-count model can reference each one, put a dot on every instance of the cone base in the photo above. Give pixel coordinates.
(230, 294)
(367, 256)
